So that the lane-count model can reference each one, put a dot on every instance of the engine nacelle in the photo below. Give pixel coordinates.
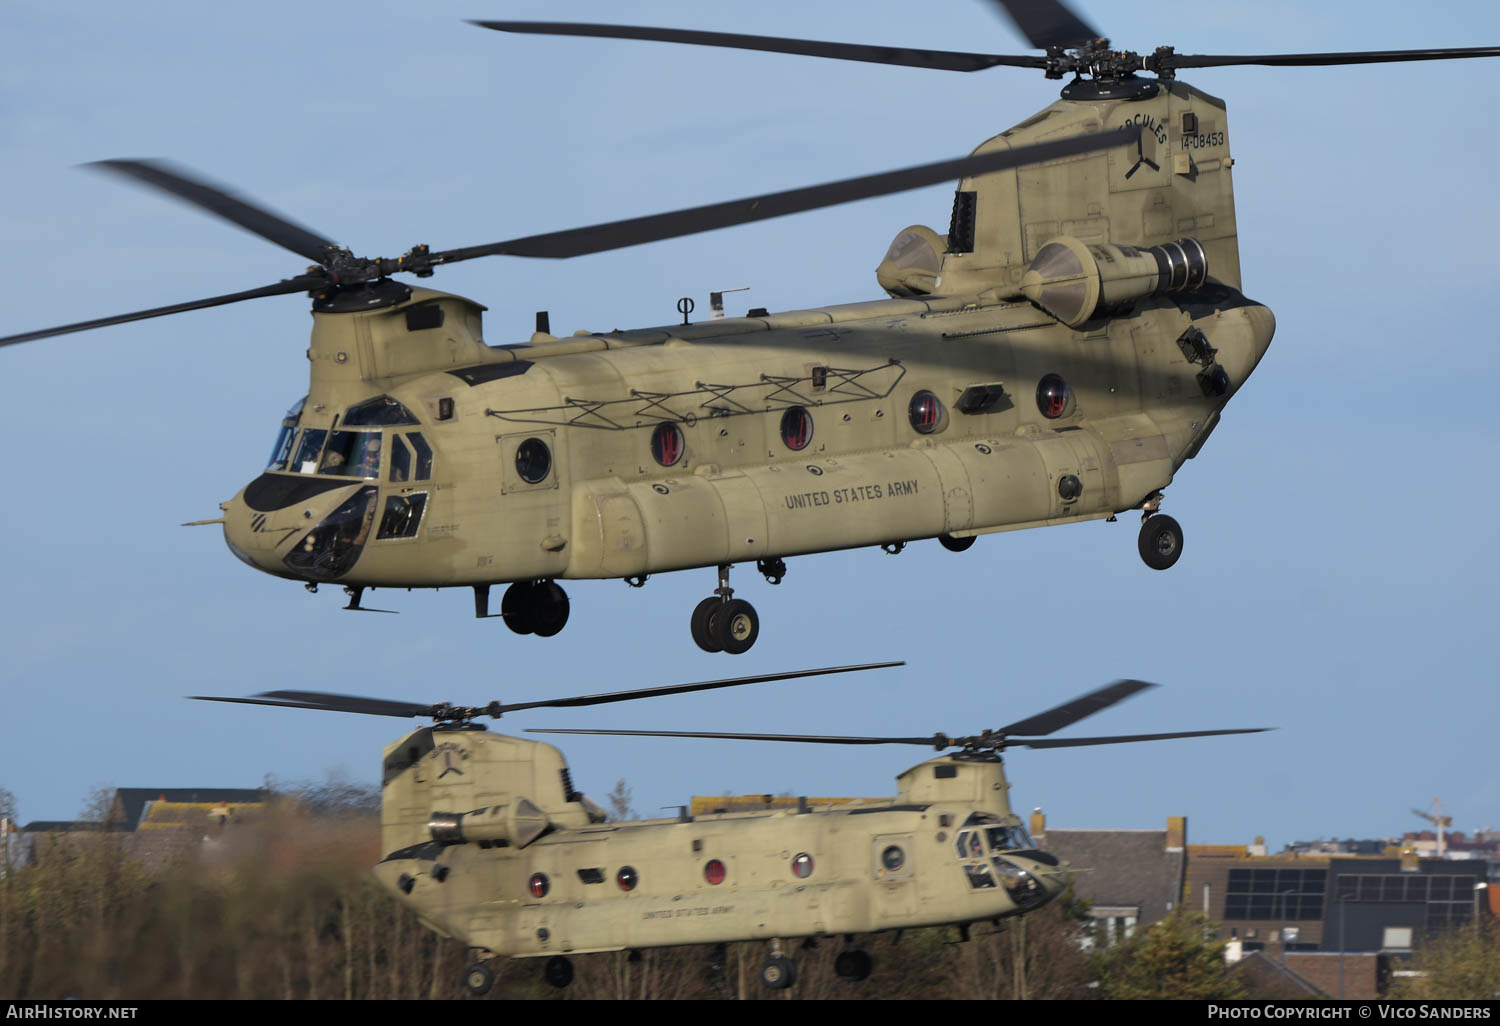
(516, 823)
(910, 267)
(1076, 282)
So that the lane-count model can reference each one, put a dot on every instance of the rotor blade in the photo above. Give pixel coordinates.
(941, 60)
(936, 741)
(1200, 60)
(634, 231)
(1078, 742)
(1048, 23)
(368, 706)
(678, 689)
(302, 283)
(236, 210)
(348, 703)
(1058, 717)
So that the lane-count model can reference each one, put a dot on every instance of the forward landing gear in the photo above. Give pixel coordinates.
(723, 623)
(535, 607)
(1160, 541)
(853, 965)
(778, 972)
(558, 971)
(479, 978)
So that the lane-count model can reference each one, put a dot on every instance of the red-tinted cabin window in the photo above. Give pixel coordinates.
(666, 444)
(714, 872)
(627, 878)
(802, 865)
(538, 885)
(1053, 397)
(925, 412)
(796, 428)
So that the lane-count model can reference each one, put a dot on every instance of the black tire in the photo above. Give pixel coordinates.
(1160, 542)
(853, 965)
(558, 971)
(778, 972)
(953, 544)
(515, 607)
(705, 615)
(548, 612)
(736, 626)
(479, 979)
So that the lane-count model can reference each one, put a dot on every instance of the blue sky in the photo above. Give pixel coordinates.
(1336, 579)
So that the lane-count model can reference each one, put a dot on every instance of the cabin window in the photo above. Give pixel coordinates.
(893, 858)
(352, 454)
(802, 865)
(538, 885)
(533, 461)
(926, 413)
(714, 872)
(1053, 397)
(666, 444)
(796, 428)
(627, 878)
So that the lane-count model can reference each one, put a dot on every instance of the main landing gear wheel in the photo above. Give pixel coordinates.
(558, 971)
(479, 979)
(736, 626)
(853, 965)
(723, 623)
(778, 972)
(535, 607)
(1160, 542)
(705, 616)
(953, 544)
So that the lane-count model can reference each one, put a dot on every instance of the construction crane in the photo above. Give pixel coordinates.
(1437, 819)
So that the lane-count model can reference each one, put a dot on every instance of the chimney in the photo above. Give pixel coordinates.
(1176, 833)
(1038, 825)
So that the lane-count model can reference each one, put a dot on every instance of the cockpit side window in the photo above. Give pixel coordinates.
(382, 411)
(424, 455)
(352, 454)
(400, 459)
(281, 452)
(306, 460)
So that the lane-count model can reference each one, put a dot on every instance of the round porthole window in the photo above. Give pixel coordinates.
(893, 858)
(926, 413)
(1069, 487)
(538, 885)
(533, 460)
(666, 444)
(714, 872)
(627, 878)
(796, 428)
(1053, 397)
(802, 865)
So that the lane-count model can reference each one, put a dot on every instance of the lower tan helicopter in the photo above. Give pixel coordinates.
(488, 841)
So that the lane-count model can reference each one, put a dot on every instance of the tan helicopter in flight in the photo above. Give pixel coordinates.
(1056, 356)
(489, 842)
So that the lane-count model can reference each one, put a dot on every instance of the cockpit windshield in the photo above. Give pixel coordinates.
(281, 452)
(1009, 838)
(352, 454)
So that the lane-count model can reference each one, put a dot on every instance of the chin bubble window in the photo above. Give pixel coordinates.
(666, 444)
(533, 461)
(796, 428)
(926, 413)
(802, 865)
(1053, 397)
(538, 885)
(714, 872)
(627, 878)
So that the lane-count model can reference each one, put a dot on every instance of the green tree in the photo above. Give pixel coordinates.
(1176, 958)
(1462, 965)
